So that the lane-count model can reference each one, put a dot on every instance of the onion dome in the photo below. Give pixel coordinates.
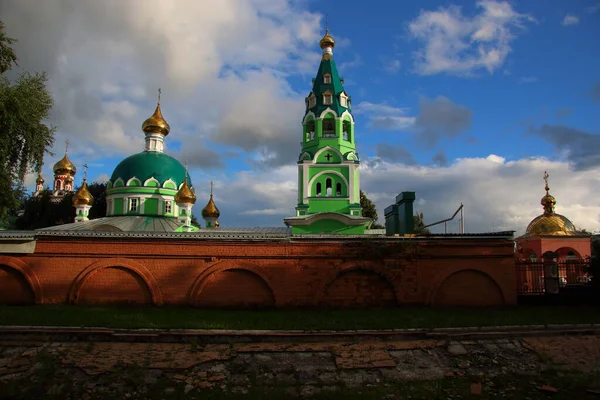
(65, 166)
(211, 210)
(146, 165)
(83, 196)
(550, 223)
(327, 41)
(156, 123)
(39, 179)
(185, 194)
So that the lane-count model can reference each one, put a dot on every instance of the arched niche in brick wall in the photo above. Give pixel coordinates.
(232, 285)
(359, 285)
(18, 283)
(468, 288)
(117, 280)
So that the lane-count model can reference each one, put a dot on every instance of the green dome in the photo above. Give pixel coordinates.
(150, 164)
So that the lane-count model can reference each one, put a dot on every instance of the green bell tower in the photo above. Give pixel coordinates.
(328, 183)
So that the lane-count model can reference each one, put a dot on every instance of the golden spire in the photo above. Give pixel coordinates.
(211, 210)
(156, 123)
(65, 166)
(327, 41)
(548, 201)
(83, 195)
(39, 179)
(185, 194)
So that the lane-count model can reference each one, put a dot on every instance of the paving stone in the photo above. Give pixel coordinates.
(457, 349)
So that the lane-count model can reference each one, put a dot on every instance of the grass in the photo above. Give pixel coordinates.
(310, 319)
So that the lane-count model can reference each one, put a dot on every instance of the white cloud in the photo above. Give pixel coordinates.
(527, 79)
(457, 44)
(384, 116)
(392, 66)
(570, 19)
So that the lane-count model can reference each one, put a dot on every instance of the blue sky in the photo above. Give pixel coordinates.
(459, 101)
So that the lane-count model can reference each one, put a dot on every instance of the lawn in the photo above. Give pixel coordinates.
(192, 318)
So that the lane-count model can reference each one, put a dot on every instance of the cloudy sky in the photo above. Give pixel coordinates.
(461, 102)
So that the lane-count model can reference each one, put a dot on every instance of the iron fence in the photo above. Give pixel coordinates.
(531, 276)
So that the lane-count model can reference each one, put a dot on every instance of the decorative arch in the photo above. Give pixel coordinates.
(352, 266)
(151, 182)
(327, 111)
(328, 172)
(119, 182)
(108, 184)
(308, 117)
(485, 284)
(221, 266)
(133, 182)
(170, 184)
(346, 114)
(327, 148)
(351, 156)
(305, 156)
(563, 252)
(131, 265)
(30, 276)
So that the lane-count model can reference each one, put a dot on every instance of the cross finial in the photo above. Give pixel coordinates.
(211, 188)
(326, 24)
(66, 146)
(85, 167)
(159, 92)
(546, 176)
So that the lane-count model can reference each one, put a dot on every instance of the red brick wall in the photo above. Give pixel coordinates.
(14, 289)
(262, 273)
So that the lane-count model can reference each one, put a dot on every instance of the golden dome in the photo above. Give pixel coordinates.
(327, 40)
(83, 196)
(156, 123)
(185, 194)
(211, 210)
(65, 166)
(551, 225)
(39, 179)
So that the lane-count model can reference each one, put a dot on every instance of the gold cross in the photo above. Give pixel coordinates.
(546, 176)
(159, 92)
(85, 167)
(67, 146)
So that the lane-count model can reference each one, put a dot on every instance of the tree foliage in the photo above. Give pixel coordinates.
(25, 104)
(40, 212)
(419, 225)
(369, 210)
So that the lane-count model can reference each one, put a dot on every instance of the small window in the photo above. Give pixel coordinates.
(133, 204)
(312, 101)
(319, 189)
(327, 78)
(168, 207)
(328, 127)
(327, 99)
(328, 188)
(109, 207)
(338, 189)
(346, 130)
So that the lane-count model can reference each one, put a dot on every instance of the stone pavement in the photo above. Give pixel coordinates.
(304, 368)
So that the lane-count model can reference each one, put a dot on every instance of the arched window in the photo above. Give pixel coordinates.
(58, 185)
(328, 187)
(329, 127)
(346, 126)
(338, 189)
(318, 189)
(310, 130)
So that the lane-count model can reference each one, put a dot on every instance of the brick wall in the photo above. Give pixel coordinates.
(467, 271)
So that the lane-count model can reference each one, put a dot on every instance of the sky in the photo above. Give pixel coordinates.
(461, 102)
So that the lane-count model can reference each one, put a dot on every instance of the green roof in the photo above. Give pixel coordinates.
(150, 164)
(335, 87)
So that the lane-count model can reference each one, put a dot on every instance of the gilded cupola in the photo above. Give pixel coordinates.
(83, 196)
(185, 194)
(327, 41)
(550, 223)
(39, 180)
(156, 123)
(65, 166)
(211, 210)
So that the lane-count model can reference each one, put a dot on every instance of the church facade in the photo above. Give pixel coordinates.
(148, 251)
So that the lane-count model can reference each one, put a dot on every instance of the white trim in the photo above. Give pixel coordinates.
(327, 148)
(132, 178)
(117, 180)
(305, 183)
(151, 179)
(302, 156)
(326, 111)
(310, 114)
(310, 183)
(348, 114)
(172, 181)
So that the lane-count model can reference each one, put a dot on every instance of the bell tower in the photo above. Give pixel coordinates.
(328, 182)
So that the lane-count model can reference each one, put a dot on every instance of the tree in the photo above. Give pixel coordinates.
(24, 137)
(369, 210)
(98, 191)
(419, 225)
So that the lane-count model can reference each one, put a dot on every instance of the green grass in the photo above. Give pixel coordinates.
(191, 318)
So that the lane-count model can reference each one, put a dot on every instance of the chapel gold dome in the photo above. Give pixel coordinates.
(185, 194)
(211, 210)
(156, 123)
(327, 41)
(551, 225)
(64, 166)
(83, 196)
